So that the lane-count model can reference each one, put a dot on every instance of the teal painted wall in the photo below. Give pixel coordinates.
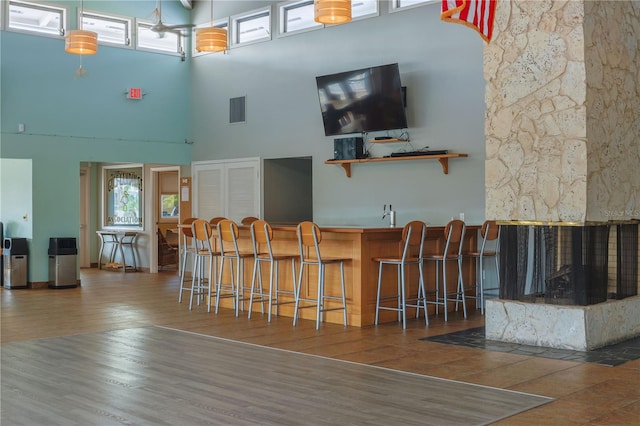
(69, 120)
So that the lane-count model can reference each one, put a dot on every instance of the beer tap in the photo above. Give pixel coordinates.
(389, 213)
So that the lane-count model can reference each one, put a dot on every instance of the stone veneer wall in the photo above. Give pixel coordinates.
(563, 139)
(612, 58)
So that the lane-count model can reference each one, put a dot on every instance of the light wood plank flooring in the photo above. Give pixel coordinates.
(586, 394)
(161, 376)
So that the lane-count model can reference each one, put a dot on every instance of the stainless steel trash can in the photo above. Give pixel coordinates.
(63, 263)
(15, 266)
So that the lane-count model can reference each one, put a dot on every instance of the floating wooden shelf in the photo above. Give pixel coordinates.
(390, 140)
(442, 158)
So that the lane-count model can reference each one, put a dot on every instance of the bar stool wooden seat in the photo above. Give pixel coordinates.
(203, 263)
(187, 249)
(413, 235)
(309, 238)
(248, 220)
(489, 248)
(214, 221)
(454, 236)
(228, 235)
(261, 236)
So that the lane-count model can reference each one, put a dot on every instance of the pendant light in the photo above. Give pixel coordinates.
(211, 39)
(332, 11)
(81, 42)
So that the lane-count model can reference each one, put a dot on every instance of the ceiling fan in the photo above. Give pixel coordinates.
(161, 28)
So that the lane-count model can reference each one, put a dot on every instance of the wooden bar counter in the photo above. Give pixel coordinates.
(360, 244)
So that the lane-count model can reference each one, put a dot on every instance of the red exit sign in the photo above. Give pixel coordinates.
(134, 93)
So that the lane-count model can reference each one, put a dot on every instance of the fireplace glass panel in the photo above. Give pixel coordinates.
(565, 265)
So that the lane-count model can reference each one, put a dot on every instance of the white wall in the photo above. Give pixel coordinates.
(441, 65)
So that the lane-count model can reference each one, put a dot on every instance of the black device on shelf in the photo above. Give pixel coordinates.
(348, 148)
(418, 153)
(362, 101)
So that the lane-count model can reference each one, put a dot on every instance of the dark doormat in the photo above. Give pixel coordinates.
(612, 355)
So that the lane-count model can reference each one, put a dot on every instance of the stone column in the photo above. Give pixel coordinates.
(563, 111)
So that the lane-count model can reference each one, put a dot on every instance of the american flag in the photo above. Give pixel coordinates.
(476, 14)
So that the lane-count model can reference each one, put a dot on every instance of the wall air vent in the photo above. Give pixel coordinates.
(237, 109)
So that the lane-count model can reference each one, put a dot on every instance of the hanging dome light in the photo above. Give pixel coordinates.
(332, 11)
(81, 42)
(211, 39)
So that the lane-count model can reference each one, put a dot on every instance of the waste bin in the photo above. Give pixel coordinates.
(15, 253)
(62, 262)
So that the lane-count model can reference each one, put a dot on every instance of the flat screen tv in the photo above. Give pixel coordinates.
(362, 101)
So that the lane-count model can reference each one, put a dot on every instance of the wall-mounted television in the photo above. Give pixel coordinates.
(362, 101)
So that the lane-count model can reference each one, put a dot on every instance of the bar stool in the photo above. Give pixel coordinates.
(261, 236)
(490, 233)
(228, 237)
(413, 235)
(201, 285)
(309, 238)
(128, 241)
(454, 237)
(186, 248)
(107, 239)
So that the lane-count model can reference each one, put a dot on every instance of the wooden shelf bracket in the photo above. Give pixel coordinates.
(347, 168)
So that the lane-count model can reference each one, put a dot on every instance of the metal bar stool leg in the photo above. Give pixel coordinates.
(378, 293)
(273, 269)
(297, 294)
(344, 293)
(319, 307)
(194, 273)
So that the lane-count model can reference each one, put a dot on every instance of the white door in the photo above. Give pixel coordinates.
(229, 188)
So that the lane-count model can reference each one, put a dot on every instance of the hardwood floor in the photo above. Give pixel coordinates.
(161, 376)
(586, 394)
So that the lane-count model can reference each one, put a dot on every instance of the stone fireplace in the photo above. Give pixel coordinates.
(561, 174)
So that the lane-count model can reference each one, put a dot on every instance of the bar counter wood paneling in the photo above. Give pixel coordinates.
(360, 244)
